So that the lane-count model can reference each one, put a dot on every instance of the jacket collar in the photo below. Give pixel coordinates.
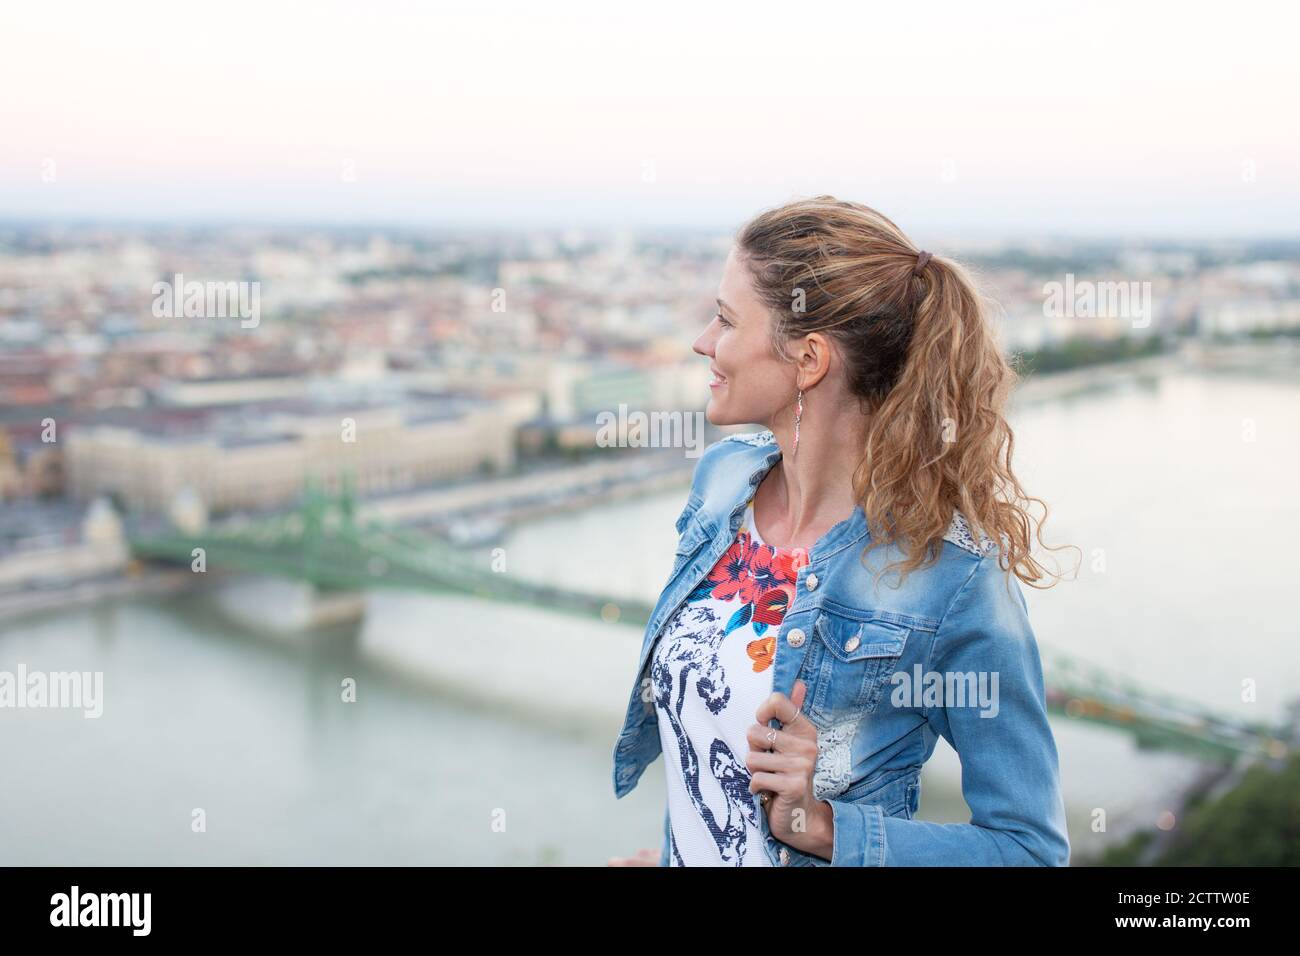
(764, 452)
(759, 459)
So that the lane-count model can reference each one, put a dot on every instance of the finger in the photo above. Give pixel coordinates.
(777, 706)
(783, 740)
(786, 741)
(799, 726)
(759, 761)
(798, 693)
(777, 783)
(780, 708)
(763, 737)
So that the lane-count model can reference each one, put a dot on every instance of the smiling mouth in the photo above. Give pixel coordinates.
(717, 379)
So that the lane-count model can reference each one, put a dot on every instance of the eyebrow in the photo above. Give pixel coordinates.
(725, 306)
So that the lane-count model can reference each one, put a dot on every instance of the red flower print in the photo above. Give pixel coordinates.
(787, 563)
(731, 575)
(771, 607)
(762, 574)
(759, 576)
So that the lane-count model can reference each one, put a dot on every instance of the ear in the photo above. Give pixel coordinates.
(812, 358)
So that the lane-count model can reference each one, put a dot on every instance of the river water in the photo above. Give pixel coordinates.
(482, 733)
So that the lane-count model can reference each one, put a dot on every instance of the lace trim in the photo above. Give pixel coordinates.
(833, 771)
(959, 533)
(757, 439)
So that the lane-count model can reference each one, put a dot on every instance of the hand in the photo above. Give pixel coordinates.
(647, 856)
(784, 767)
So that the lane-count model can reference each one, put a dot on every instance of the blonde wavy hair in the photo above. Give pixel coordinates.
(922, 359)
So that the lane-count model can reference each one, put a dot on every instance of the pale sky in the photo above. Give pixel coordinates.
(1134, 118)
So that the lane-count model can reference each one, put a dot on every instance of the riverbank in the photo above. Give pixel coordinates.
(149, 581)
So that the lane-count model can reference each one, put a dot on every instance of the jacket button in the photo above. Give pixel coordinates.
(811, 582)
(795, 637)
(851, 644)
(785, 856)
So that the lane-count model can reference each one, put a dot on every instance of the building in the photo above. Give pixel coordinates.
(260, 457)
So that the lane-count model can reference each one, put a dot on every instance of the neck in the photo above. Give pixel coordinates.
(812, 490)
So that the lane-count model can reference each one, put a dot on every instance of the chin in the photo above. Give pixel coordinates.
(717, 416)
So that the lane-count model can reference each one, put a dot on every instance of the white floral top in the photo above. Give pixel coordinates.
(712, 668)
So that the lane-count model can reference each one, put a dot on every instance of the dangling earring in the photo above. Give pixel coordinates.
(798, 416)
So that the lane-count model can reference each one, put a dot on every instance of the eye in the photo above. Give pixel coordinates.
(721, 318)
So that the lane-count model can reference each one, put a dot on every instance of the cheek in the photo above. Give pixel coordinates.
(734, 351)
(724, 353)
(749, 360)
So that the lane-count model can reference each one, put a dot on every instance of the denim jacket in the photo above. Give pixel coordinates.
(853, 642)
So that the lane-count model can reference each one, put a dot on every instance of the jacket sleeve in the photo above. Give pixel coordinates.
(1009, 768)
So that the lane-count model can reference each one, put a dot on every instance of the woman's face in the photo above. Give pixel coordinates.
(750, 384)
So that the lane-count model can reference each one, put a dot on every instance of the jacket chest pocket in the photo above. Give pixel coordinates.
(853, 665)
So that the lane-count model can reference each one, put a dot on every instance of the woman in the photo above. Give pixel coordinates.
(846, 584)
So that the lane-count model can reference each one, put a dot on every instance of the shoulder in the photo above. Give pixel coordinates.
(718, 459)
(987, 612)
(987, 552)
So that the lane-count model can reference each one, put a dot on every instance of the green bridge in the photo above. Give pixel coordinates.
(325, 543)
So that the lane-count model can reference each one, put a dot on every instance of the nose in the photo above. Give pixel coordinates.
(704, 344)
